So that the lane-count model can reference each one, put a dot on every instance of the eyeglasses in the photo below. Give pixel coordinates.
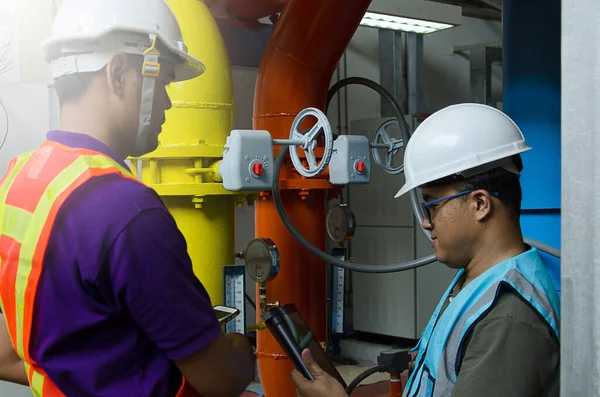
(430, 203)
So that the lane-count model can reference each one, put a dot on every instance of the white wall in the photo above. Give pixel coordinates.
(580, 333)
(28, 110)
(24, 94)
(23, 87)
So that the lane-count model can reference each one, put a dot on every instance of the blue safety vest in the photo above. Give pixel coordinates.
(439, 349)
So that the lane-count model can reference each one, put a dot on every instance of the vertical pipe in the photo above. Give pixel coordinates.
(531, 69)
(580, 331)
(391, 69)
(201, 119)
(298, 64)
(415, 69)
(481, 76)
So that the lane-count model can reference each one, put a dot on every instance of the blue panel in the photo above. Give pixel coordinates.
(541, 167)
(542, 225)
(531, 60)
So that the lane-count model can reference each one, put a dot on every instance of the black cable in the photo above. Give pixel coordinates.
(356, 267)
(360, 378)
(399, 116)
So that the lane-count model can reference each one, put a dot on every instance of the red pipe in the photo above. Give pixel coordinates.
(298, 63)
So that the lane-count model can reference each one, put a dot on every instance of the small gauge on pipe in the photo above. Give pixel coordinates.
(341, 224)
(262, 260)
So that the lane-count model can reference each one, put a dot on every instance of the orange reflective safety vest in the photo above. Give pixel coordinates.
(32, 192)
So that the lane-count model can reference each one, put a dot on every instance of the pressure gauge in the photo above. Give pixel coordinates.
(341, 224)
(262, 260)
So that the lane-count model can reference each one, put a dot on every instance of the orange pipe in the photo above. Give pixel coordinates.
(298, 63)
(396, 387)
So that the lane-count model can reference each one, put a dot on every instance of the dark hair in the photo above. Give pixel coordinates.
(499, 180)
(72, 87)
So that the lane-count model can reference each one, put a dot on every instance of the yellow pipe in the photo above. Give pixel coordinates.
(191, 144)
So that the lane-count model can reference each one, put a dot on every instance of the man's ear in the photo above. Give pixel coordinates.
(482, 203)
(116, 70)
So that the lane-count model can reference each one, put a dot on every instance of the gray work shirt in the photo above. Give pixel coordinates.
(511, 351)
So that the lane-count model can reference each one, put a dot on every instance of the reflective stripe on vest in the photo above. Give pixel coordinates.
(440, 346)
(31, 194)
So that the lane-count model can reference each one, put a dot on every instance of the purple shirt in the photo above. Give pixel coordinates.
(117, 300)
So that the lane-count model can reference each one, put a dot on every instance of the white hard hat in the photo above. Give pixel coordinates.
(85, 33)
(465, 139)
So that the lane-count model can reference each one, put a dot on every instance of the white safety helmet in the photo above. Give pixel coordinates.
(465, 139)
(85, 34)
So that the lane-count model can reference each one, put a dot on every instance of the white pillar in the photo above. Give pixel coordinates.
(580, 330)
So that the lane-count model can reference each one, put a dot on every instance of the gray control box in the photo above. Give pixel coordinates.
(247, 161)
(350, 162)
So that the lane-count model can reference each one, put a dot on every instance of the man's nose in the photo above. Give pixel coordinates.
(426, 224)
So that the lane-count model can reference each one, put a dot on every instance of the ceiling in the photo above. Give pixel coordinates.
(484, 9)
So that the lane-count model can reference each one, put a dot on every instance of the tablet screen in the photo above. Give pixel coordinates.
(299, 337)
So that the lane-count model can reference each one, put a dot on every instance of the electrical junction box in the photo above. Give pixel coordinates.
(351, 161)
(247, 161)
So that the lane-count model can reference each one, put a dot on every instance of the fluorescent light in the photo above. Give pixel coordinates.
(384, 21)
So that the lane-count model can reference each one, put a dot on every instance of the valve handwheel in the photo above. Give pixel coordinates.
(309, 142)
(393, 146)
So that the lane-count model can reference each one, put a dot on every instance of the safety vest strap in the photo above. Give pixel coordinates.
(31, 194)
(440, 345)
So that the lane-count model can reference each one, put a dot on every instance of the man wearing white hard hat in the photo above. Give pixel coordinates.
(495, 331)
(97, 291)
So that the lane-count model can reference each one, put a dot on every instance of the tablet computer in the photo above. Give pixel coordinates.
(293, 335)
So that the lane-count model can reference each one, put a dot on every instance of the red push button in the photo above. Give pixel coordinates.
(360, 167)
(257, 168)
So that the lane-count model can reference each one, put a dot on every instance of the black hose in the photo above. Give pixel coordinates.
(355, 267)
(360, 378)
(404, 129)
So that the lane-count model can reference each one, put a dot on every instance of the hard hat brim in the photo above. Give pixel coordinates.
(189, 69)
